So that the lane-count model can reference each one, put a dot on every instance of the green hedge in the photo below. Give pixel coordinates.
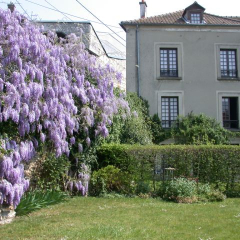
(209, 163)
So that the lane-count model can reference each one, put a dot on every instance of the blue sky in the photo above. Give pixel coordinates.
(112, 12)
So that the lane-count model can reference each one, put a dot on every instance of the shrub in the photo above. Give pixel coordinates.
(135, 127)
(215, 196)
(116, 155)
(178, 189)
(51, 172)
(110, 179)
(216, 164)
(159, 134)
(203, 189)
(183, 190)
(219, 165)
(233, 191)
(199, 129)
(142, 188)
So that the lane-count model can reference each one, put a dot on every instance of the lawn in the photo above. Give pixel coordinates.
(128, 218)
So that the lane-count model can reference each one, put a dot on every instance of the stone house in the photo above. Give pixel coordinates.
(103, 50)
(185, 61)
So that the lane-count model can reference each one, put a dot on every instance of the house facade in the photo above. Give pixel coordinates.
(185, 61)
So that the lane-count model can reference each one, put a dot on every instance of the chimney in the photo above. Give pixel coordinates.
(11, 6)
(143, 9)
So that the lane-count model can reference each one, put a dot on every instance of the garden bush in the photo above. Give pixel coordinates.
(50, 172)
(199, 129)
(215, 196)
(183, 190)
(159, 134)
(135, 127)
(143, 188)
(114, 154)
(110, 179)
(179, 189)
(117, 155)
(203, 189)
(234, 191)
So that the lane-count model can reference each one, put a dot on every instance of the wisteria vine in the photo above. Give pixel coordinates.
(49, 91)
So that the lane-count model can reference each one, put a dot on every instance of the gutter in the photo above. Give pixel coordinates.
(123, 24)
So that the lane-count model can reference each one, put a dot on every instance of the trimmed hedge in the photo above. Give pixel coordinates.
(208, 163)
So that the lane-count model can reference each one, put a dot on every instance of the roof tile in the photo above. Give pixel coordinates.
(176, 18)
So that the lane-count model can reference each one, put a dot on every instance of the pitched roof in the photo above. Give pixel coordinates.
(234, 17)
(195, 5)
(179, 18)
(176, 18)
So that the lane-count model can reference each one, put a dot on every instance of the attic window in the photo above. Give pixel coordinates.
(195, 18)
(194, 14)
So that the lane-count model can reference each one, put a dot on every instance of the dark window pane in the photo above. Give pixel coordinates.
(195, 18)
(228, 63)
(168, 63)
(169, 111)
(230, 112)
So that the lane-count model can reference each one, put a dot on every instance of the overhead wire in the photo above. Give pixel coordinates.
(72, 20)
(20, 6)
(106, 33)
(4, 2)
(65, 14)
(71, 14)
(113, 60)
(23, 9)
(100, 21)
(59, 11)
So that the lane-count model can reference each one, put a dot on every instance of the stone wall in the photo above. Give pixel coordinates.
(7, 214)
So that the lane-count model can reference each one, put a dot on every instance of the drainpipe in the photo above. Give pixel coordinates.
(138, 61)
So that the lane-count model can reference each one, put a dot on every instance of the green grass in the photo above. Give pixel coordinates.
(130, 218)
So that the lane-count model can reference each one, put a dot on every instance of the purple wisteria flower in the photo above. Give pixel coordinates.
(47, 91)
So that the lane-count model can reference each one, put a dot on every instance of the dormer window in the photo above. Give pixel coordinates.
(194, 14)
(195, 18)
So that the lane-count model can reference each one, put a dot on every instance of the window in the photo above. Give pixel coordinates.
(195, 18)
(230, 112)
(228, 64)
(169, 111)
(168, 62)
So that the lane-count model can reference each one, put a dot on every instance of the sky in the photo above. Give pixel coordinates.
(112, 12)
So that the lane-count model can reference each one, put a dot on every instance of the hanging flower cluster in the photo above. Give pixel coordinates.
(50, 91)
(12, 182)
